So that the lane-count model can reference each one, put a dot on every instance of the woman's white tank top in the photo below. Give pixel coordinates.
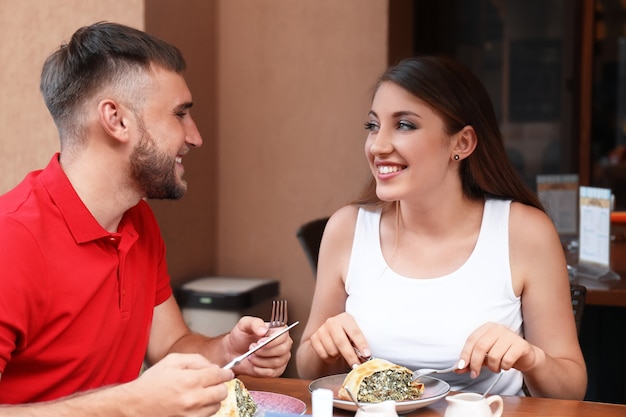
(424, 323)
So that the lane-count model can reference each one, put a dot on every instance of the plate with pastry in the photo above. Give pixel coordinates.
(243, 403)
(379, 380)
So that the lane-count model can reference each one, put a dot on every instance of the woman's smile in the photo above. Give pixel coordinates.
(389, 170)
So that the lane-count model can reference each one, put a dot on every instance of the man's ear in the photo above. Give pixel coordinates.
(465, 142)
(114, 119)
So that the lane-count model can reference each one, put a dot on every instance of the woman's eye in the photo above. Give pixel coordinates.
(404, 125)
(371, 126)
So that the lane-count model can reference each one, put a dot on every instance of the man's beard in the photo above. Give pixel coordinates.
(155, 172)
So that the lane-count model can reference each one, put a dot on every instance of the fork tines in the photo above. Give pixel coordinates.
(279, 313)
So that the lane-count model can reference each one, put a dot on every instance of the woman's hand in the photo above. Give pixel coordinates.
(340, 336)
(497, 347)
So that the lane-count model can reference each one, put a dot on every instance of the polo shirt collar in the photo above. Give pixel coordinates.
(81, 223)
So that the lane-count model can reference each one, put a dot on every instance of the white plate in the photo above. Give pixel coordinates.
(434, 390)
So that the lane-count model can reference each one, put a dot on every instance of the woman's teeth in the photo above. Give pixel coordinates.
(386, 169)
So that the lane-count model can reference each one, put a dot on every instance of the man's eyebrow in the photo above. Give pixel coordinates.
(184, 106)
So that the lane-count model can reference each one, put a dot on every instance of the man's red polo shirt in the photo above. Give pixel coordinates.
(76, 301)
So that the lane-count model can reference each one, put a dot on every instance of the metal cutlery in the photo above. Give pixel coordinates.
(426, 371)
(493, 384)
(354, 400)
(239, 358)
(362, 357)
(279, 315)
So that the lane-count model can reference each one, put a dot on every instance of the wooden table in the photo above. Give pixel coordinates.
(513, 406)
(610, 292)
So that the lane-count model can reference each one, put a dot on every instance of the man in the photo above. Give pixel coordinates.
(85, 296)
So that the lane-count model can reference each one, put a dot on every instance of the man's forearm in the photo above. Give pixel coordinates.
(112, 401)
(212, 348)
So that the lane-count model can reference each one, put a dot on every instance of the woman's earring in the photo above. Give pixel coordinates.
(457, 157)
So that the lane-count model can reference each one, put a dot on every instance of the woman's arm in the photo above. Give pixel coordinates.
(538, 261)
(549, 355)
(328, 341)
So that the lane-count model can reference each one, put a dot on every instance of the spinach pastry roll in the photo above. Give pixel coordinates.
(379, 380)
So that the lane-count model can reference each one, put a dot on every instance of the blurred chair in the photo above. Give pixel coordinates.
(579, 294)
(310, 237)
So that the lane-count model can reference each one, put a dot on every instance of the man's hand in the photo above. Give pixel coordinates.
(181, 385)
(269, 361)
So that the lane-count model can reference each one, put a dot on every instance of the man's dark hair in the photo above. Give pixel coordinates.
(97, 56)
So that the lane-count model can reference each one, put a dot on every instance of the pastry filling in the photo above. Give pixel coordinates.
(245, 404)
(389, 384)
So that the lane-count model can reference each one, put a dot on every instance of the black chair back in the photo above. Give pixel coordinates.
(578, 303)
(310, 236)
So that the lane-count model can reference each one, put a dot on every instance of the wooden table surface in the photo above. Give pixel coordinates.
(609, 292)
(513, 406)
(600, 292)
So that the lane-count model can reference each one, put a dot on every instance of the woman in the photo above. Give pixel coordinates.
(445, 252)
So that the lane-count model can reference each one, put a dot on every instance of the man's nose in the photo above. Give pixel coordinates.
(193, 137)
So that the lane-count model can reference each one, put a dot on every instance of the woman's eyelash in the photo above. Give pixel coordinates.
(406, 125)
(370, 125)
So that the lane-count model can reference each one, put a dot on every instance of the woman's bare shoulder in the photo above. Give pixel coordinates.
(345, 213)
(535, 246)
(528, 222)
(342, 222)
(336, 245)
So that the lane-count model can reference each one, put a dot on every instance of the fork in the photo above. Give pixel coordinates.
(362, 357)
(426, 371)
(279, 315)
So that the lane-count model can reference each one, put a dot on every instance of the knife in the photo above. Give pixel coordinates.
(239, 358)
